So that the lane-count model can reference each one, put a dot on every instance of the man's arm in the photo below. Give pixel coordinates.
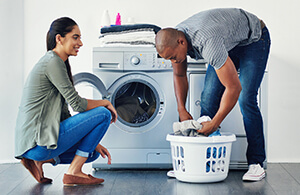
(228, 76)
(181, 89)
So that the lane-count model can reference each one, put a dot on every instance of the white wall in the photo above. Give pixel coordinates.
(284, 69)
(11, 74)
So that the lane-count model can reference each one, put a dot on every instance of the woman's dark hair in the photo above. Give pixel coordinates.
(60, 26)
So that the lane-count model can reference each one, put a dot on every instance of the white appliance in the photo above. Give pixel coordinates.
(139, 76)
(140, 86)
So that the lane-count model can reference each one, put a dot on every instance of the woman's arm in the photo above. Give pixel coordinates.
(57, 74)
(105, 103)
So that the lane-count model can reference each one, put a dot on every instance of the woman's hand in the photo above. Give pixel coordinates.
(103, 152)
(113, 111)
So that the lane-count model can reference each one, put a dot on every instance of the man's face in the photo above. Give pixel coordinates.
(176, 55)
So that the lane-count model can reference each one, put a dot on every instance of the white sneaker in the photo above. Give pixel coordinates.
(255, 173)
(171, 173)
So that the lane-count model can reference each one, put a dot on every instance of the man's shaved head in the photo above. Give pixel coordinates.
(166, 38)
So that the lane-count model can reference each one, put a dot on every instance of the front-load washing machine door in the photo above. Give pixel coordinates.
(89, 86)
(87, 79)
(139, 102)
(137, 98)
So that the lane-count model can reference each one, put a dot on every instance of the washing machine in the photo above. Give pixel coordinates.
(139, 84)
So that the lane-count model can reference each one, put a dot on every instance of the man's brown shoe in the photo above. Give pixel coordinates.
(32, 168)
(72, 180)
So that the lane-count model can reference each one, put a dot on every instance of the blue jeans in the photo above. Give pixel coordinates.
(78, 135)
(251, 62)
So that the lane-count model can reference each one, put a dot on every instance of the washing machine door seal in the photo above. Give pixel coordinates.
(93, 80)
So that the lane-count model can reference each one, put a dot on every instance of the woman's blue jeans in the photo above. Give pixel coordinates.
(78, 135)
(250, 61)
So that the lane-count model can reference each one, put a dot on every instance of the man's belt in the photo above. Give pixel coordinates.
(262, 24)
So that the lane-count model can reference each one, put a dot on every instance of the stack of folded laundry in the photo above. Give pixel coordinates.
(135, 34)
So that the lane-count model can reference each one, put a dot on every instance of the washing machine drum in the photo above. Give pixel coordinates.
(137, 101)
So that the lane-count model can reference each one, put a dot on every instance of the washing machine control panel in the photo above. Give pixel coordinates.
(145, 61)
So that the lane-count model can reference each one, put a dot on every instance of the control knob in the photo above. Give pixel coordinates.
(135, 60)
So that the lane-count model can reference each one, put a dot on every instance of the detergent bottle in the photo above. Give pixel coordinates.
(118, 19)
(105, 19)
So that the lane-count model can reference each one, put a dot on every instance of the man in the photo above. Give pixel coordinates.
(230, 40)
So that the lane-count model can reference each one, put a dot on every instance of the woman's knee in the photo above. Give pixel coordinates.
(107, 113)
(104, 112)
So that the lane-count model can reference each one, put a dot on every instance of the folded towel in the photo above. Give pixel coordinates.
(133, 38)
(127, 43)
(124, 45)
(138, 27)
(190, 127)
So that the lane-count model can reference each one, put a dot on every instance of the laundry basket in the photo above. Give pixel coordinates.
(201, 159)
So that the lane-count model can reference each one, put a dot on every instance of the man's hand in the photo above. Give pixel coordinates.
(208, 128)
(184, 115)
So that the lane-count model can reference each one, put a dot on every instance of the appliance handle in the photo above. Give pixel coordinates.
(94, 80)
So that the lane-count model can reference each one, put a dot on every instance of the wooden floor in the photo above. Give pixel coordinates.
(281, 179)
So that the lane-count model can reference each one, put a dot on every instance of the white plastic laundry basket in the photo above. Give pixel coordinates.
(201, 159)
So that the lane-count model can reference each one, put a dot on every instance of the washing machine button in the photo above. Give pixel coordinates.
(135, 60)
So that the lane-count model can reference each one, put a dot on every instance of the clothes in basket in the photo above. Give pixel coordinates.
(190, 127)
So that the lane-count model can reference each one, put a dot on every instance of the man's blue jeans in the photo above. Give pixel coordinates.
(250, 61)
(78, 135)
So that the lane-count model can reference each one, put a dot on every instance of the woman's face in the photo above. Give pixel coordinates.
(72, 42)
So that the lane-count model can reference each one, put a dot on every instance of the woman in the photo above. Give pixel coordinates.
(45, 130)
